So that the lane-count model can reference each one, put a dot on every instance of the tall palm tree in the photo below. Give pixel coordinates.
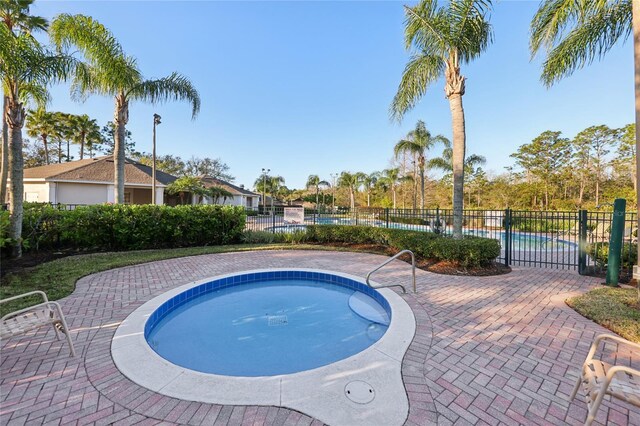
(314, 181)
(391, 178)
(110, 72)
(574, 33)
(352, 182)
(445, 161)
(443, 38)
(42, 124)
(26, 68)
(14, 14)
(369, 182)
(418, 142)
(84, 130)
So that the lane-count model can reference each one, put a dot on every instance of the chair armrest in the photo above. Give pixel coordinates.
(20, 296)
(31, 308)
(621, 369)
(601, 337)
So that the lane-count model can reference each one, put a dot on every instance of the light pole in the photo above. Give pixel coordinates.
(264, 188)
(333, 191)
(156, 121)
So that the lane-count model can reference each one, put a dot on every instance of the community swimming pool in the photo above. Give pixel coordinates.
(520, 241)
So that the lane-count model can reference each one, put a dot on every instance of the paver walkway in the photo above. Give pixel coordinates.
(488, 350)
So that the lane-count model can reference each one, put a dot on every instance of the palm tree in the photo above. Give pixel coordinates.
(573, 34)
(42, 124)
(84, 130)
(314, 181)
(351, 181)
(110, 72)
(443, 38)
(445, 161)
(26, 68)
(418, 143)
(368, 182)
(269, 185)
(15, 16)
(391, 178)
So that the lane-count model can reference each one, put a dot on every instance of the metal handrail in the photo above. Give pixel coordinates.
(413, 270)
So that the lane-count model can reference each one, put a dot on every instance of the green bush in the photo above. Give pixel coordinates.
(131, 227)
(467, 252)
(408, 220)
(5, 241)
(600, 253)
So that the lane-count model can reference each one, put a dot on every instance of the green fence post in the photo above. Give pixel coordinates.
(507, 237)
(615, 242)
(582, 242)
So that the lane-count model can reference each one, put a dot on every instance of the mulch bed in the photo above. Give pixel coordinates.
(438, 267)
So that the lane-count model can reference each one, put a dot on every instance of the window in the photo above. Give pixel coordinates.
(127, 197)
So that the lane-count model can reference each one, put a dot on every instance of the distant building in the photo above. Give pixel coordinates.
(240, 195)
(91, 181)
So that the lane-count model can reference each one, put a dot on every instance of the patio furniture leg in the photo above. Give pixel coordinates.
(593, 409)
(65, 329)
(575, 388)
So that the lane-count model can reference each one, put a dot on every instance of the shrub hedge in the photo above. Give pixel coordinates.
(468, 252)
(600, 253)
(130, 227)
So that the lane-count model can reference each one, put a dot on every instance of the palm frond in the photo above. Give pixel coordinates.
(95, 41)
(440, 163)
(549, 22)
(174, 87)
(471, 31)
(591, 39)
(420, 72)
(108, 70)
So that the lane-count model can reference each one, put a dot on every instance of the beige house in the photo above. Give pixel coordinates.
(240, 195)
(90, 181)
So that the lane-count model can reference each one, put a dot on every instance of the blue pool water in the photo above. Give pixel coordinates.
(267, 327)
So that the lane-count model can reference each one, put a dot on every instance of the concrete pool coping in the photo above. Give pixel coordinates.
(319, 392)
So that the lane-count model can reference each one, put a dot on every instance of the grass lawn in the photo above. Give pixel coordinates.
(617, 309)
(58, 277)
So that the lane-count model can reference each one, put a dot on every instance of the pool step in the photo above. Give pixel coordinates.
(368, 308)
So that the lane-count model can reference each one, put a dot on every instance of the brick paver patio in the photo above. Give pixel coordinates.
(488, 350)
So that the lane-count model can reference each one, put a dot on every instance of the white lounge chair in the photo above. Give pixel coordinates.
(36, 316)
(599, 378)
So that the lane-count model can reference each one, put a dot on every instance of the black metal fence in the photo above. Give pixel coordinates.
(552, 239)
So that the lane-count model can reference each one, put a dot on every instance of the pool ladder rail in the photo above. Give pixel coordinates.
(413, 270)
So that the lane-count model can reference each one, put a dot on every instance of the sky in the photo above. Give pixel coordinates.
(304, 87)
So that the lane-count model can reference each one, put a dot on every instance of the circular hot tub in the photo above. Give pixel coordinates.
(320, 342)
(268, 323)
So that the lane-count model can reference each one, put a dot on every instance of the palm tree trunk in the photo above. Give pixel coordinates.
(636, 56)
(4, 166)
(15, 120)
(394, 197)
(59, 150)
(422, 188)
(597, 191)
(68, 153)
(353, 202)
(46, 148)
(317, 195)
(459, 142)
(121, 118)
(82, 146)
